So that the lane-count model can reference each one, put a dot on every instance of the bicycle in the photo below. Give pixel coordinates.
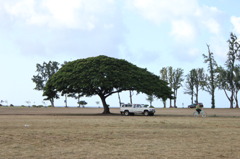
(202, 114)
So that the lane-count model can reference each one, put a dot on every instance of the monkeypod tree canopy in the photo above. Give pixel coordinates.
(104, 76)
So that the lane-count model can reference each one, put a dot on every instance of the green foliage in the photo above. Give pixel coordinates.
(45, 72)
(175, 78)
(37, 106)
(150, 99)
(104, 76)
(82, 102)
(195, 81)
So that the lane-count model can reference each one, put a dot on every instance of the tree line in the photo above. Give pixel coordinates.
(226, 78)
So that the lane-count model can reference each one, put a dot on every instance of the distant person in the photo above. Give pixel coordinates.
(198, 108)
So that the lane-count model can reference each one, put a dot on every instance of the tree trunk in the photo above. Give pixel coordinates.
(119, 99)
(105, 106)
(213, 99)
(231, 104)
(65, 101)
(196, 96)
(52, 102)
(192, 98)
(236, 99)
(164, 104)
(236, 103)
(79, 102)
(130, 94)
(175, 99)
(231, 99)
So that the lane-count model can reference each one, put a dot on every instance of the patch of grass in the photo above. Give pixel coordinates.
(103, 137)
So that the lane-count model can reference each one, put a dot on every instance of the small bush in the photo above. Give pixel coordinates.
(11, 105)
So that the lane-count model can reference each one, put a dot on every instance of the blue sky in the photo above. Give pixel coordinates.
(149, 33)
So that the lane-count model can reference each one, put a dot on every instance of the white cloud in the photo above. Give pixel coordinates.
(212, 25)
(236, 24)
(183, 31)
(22, 8)
(74, 27)
(188, 14)
(193, 52)
(80, 14)
(219, 46)
(209, 17)
(162, 10)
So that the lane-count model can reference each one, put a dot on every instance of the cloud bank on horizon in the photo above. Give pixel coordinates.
(149, 33)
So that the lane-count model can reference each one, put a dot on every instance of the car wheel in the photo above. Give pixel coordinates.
(126, 113)
(146, 113)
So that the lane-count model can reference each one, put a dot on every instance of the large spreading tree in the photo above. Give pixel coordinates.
(104, 76)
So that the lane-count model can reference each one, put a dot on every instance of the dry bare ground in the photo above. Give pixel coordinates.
(62, 133)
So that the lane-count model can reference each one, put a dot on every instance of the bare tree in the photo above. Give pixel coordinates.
(164, 77)
(211, 80)
(189, 84)
(227, 77)
(177, 82)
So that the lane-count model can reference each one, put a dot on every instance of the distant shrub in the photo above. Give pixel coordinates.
(23, 106)
(11, 105)
(51, 106)
(37, 106)
(145, 106)
(0, 105)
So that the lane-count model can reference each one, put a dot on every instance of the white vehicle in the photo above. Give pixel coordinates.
(131, 109)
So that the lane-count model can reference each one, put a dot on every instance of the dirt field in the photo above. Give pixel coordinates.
(96, 111)
(69, 133)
